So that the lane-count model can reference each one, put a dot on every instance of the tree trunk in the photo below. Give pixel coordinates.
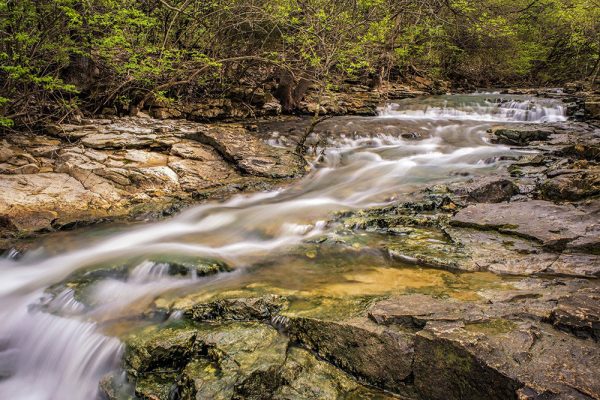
(290, 92)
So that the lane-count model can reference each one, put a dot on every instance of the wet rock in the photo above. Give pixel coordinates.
(242, 360)
(521, 135)
(425, 247)
(445, 369)
(415, 311)
(156, 386)
(488, 190)
(377, 355)
(238, 309)
(499, 363)
(586, 151)
(592, 107)
(165, 349)
(502, 254)
(579, 314)
(554, 226)
(309, 378)
(500, 350)
(572, 186)
(78, 288)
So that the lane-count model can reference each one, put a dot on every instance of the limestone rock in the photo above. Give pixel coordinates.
(579, 314)
(521, 135)
(251, 155)
(238, 309)
(552, 225)
(572, 186)
(127, 167)
(380, 356)
(488, 190)
(30, 203)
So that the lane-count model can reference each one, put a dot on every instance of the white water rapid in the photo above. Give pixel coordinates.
(54, 347)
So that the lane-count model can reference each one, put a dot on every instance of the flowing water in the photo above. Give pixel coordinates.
(57, 345)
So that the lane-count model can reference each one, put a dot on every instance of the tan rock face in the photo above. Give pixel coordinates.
(106, 169)
(35, 202)
(250, 155)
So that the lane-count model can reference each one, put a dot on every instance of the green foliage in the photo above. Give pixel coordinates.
(58, 55)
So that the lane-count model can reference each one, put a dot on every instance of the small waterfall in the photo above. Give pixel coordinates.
(148, 271)
(493, 108)
(44, 356)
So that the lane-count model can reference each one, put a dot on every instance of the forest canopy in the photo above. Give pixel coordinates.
(61, 56)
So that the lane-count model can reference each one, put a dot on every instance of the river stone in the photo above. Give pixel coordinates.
(127, 168)
(500, 253)
(504, 348)
(193, 150)
(427, 247)
(581, 150)
(250, 154)
(579, 314)
(156, 386)
(238, 309)
(165, 349)
(445, 369)
(306, 377)
(552, 225)
(454, 361)
(242, 361)
(415, 311)
(572, 186)
(195, 176)
(125, 140)
(487, 190)
(575, 264)
(377, 355)
(520, 135)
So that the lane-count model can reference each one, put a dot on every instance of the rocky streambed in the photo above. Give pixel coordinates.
(422, 258)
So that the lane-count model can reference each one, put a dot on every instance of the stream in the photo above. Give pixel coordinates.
(57, 344)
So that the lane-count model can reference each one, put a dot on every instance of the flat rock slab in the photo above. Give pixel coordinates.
(251, 155)
(554, 226)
